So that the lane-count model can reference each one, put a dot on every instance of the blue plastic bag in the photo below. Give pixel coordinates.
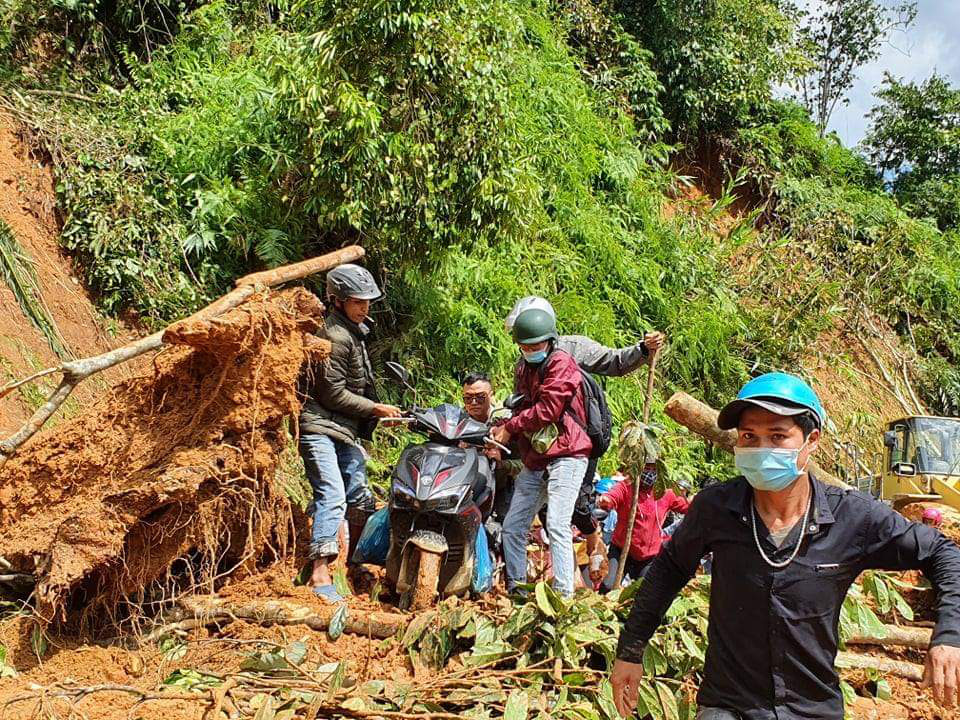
(483, 565)
(374, 542)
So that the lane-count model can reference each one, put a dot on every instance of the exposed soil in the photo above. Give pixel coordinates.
(170, 476)
(27, 205)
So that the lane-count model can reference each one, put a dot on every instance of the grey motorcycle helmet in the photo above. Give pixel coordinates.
(352, 281)
(530, 302)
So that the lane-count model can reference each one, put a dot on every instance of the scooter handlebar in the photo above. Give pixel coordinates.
(494, 442)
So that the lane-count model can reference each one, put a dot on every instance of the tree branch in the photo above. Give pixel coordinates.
(75, 371)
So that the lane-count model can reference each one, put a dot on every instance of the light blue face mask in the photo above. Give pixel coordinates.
(536, 357)
(770, 469)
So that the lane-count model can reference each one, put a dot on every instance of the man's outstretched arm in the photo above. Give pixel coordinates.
(669, 572)
(612, 362)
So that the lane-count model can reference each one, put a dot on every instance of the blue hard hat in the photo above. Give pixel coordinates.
(776, 392)
(605, 484)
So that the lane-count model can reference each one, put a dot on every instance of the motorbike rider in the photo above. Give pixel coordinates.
(340, 409)
(554, 446)
(599, 360)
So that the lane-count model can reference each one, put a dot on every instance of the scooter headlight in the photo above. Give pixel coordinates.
(403, 497)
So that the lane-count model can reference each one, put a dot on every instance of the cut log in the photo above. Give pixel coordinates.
(207, 609)
(702, 419)
(853, 661)
(75, 371)
(896, 636)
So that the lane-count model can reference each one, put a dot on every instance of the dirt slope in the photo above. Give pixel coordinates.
(27, 206)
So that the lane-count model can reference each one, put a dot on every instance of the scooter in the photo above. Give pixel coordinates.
(441, 491)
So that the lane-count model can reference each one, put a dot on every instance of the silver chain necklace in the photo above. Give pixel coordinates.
(803, 527)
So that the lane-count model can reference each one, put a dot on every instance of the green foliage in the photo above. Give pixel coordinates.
(6, 670)
(17, 270)
(89, 37)
(915, 136)
(717, 60)
(558, 641)
(276, 660)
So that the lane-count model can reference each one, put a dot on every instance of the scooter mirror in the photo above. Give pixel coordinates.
(398, 373)
(513, 402)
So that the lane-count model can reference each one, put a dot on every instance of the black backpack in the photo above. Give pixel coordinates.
(599, 420)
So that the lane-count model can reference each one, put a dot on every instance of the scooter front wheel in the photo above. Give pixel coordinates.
(423, 592)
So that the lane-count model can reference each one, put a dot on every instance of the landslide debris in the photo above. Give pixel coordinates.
(167, 482)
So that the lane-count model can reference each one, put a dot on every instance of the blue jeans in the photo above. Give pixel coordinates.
(558, 486)
(338, 475)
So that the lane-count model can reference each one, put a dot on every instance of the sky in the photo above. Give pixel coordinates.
(932, 42)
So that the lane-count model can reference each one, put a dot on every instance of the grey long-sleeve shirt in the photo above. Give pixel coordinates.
(600, 359)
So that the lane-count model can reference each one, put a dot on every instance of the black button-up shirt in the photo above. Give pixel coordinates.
(772, 637)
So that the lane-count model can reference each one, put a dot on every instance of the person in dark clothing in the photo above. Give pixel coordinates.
(340, 408)
(786, 549)
(598, 359)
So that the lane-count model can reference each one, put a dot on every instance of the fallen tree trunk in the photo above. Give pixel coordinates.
(702, 419)
(206, 609)
(76, 371)
(853, 661)
(896, 636)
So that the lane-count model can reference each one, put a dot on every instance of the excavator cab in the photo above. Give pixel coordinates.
(921, 461)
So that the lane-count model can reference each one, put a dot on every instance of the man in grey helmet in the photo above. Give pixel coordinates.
(340, 409)
(598, 359)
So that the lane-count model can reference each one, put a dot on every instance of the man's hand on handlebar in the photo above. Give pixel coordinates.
(493, 453)
(499, 434)
(382, 410)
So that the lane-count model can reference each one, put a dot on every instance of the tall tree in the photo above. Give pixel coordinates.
(914, 142)
(841, 37)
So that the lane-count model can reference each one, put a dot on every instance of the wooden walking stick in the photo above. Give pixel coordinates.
(628, 541)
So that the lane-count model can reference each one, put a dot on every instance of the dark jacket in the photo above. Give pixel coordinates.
(602, 360)
(772, 636)
(340, 395)
(548, 401)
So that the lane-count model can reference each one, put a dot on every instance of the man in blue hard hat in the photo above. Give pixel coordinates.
(786, 548)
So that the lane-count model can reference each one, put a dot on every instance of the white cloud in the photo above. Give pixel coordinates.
(931, 43)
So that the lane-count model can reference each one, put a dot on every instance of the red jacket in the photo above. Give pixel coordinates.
(546, 403)
(650, 514)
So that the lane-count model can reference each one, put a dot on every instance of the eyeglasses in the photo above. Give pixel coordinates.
(474, 399)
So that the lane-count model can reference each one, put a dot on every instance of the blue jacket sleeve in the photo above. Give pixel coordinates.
(895, 543)
(672, 569)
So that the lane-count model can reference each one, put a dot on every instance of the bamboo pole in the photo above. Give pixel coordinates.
(76, 371)
(896, 636)
(648, 400)
(853, 661)
(206, 609)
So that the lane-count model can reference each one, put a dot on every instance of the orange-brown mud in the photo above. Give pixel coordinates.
(28, 208)
(220, 651)
(168, 480)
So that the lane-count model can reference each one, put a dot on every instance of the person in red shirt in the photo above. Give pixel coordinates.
(648, 527)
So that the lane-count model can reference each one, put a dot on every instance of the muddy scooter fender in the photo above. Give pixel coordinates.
(426, 541)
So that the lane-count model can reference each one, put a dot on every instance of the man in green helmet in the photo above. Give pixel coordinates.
(786, 549)
(548, 427)
(592, 357)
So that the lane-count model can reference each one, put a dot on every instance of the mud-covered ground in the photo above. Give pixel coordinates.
(129, 681)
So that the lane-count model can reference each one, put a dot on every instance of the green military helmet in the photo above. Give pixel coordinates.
(533, 326)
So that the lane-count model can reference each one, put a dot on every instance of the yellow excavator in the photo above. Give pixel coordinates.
(921, 461)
